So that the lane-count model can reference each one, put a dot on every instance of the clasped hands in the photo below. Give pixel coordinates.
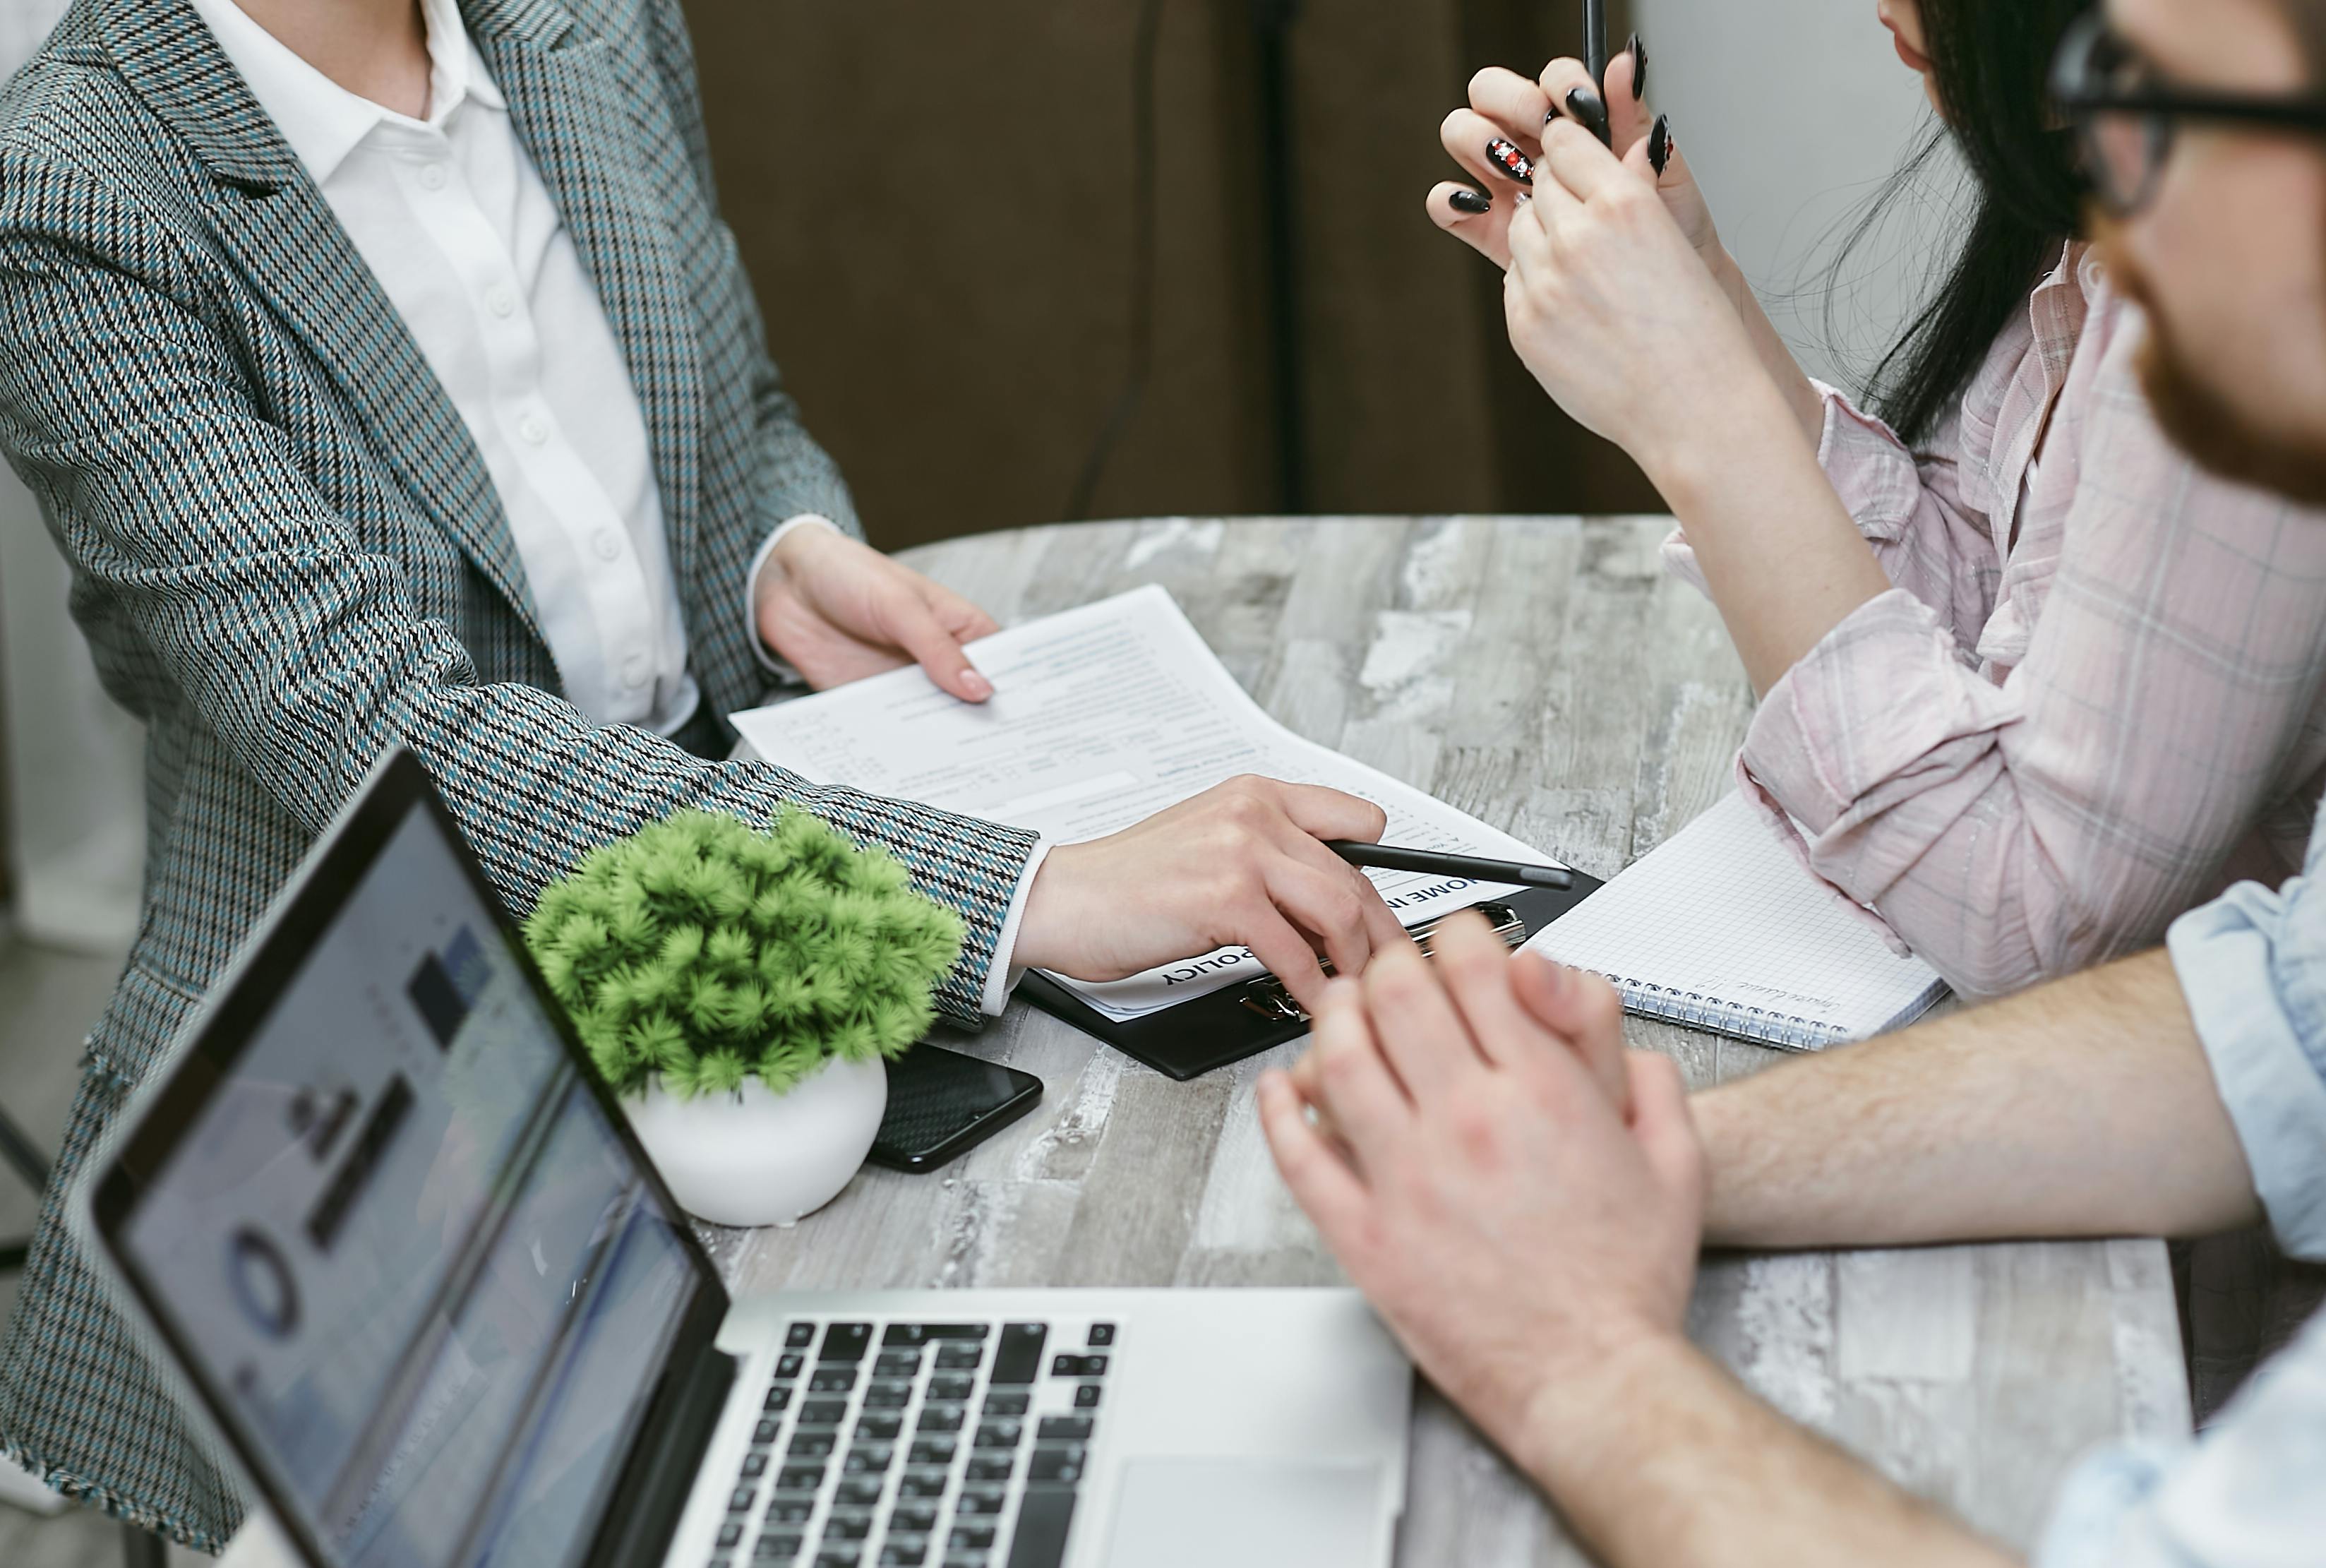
(1520, 1198)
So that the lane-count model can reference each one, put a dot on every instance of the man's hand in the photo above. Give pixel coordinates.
(1514, 1224)
(839, 610)
(1240, 865)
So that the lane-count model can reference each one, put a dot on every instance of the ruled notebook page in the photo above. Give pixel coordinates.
(1720, 928)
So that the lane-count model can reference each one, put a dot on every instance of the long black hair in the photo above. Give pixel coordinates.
(1993, 59)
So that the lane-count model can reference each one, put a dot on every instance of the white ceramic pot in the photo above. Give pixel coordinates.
(754, 1158)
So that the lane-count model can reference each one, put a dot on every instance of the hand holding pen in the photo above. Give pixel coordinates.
(1498, 139)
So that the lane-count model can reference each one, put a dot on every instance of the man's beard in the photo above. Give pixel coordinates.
(2200, 421)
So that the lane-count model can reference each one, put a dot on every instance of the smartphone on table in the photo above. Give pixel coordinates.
(943, 1104)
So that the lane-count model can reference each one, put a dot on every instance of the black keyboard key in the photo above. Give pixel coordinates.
(1019, 1357)
(980, 1500)
(778, 1548)
(991, 1467)
(970, 1538)
(789, 1366)
(950, 1385)
(960, 1357)
(799, 1336)
(754, 1466)
(1000, 1434)
(880, 1426)
(790, 1510)
(932, 1451)
(810, 1445)
(922, 1484)
(1063, 1465)
(1102, 1334)
(765, 1432)
(939, 1418)
(800, 1478)
(868, 1459)
(742, 1499)
(1040, 1541)
(1005, 1404)
(904, 1555)
(1078, 1366)
(856, 1492)
(729, 1534)
(896, 1364)
(823, 1411)
(887, 1396)
(779, 1397)
(917, 1334)
(912, 1521)
(844, 1343)
(1086, 1396)
(1064, 1429)
(847, 1527)
(832, 1380)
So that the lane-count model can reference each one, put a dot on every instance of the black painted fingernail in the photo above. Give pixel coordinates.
(1470, 201)
(1591, 110)
(1639, 52)
(1659, 145)
(1506, 156)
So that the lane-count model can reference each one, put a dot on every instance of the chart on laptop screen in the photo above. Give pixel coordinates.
(408, 1248)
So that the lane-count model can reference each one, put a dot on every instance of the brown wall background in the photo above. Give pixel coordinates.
(935, 205)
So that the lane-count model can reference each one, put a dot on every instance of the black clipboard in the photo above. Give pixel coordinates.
(1244, 1019)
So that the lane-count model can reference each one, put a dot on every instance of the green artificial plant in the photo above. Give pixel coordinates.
(708, 952)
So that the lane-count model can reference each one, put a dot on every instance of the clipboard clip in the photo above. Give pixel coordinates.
(1268, 997)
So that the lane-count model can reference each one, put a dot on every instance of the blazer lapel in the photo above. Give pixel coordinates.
(292, 252)
(569, 109)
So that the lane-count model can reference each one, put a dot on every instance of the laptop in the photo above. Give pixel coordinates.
(415, 1268)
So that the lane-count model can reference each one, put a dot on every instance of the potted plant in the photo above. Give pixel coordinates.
(740, 991)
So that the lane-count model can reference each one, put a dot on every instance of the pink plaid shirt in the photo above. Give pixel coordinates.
(2090, 702)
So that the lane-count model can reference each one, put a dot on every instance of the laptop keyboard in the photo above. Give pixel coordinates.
(918, 1445)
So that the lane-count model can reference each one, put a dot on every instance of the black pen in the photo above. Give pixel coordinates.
(1595, 42)
(1389, 857)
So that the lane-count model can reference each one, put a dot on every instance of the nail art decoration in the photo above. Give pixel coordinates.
(1659, 145)
(1506, 156)
(1639, 53)
(1590, 111)
(1470, 202)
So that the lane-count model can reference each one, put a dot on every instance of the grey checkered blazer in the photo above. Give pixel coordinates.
(288, 557)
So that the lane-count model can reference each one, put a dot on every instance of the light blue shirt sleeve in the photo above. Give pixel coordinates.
(2253, 968)
(2250, 1493)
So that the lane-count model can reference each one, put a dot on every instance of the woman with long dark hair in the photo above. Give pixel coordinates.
(2033, 684)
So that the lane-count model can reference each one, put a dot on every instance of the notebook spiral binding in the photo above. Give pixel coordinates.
(1758, 1024)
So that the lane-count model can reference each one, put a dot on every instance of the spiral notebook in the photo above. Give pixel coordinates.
(1720, 929)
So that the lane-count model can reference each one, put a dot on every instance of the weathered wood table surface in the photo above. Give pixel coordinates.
(1545, 674)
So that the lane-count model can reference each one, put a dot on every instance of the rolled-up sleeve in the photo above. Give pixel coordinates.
(2253, 967)
(2247, 1493)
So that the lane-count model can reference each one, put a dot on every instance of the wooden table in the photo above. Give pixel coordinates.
(1545, 674)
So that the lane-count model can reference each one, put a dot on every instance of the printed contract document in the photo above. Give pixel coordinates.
(1101, 717)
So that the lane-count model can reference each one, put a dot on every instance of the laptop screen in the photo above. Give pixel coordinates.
(401, 1243)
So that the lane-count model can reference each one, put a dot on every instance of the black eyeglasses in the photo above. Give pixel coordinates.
(2126, 123)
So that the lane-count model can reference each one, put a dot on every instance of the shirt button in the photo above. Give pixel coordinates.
(432, 176)
(635, 670)
(609, 544)
(533, 429)
(501, 303)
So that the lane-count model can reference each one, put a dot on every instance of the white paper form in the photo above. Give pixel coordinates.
(1101, 717)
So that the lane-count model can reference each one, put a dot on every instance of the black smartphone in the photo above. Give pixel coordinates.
(943, 1104)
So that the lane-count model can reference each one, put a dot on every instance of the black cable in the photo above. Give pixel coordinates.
(1145, 226)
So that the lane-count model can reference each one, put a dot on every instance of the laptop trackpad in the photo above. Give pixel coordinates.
(1245, 1514)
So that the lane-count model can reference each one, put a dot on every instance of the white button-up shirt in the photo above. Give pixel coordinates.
(453, 220)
